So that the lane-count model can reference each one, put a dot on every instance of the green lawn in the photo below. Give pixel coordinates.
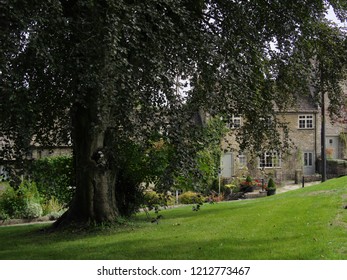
(309, 223)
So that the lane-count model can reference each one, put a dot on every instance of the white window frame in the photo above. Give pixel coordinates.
(270, 160)
(235, 121)
(306, 121)
(242, 160)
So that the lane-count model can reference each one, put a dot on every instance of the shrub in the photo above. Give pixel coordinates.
(10, 204)
(3, 216)
(249, 179)
(29, 192)
(55, 215)
(52, 206)
(153, 199)
(32, 210)
(271, 184)
(191, 197)
(54, 178)
(19, 203)
(236, 189)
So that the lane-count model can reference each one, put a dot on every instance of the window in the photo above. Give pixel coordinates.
(308, 159)
(306, 121)
(29, 154)
(242, 160)
(3, 174)
(235, 121)
(270, 160)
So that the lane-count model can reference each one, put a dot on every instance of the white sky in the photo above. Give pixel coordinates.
(331, 16)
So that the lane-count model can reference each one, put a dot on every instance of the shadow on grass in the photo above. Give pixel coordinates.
(126, 244)
(179, 249)
(181, 234)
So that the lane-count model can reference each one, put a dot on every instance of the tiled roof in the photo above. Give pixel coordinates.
(304, 104)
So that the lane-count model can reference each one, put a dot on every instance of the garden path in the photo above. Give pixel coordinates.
(289, 186)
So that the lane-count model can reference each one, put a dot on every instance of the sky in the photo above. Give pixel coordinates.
(331, 16)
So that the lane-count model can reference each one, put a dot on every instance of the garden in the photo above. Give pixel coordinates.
(44, 193)
(305, 224)
(240, 188)
(48, 188)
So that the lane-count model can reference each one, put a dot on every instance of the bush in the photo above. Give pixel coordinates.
(191, 198)
(54, 178)
(10, 204)
(271, 184)
(21, 203)
(55, 215)
(249, 179)
(153, 199)
(52, 206)
(32, 210)
(3, 216)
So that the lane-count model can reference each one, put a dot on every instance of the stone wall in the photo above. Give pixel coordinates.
(335, 168)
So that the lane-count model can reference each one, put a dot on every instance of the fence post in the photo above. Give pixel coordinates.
(303, 181)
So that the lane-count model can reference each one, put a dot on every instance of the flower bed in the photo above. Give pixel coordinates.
(250, 185)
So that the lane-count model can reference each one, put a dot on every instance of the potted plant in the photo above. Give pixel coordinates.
(247, 186)
(271, 187)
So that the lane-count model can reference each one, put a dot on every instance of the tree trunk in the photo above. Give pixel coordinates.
(94, 201)
(95, 172)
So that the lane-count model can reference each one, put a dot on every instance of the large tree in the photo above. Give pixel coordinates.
(107, 73)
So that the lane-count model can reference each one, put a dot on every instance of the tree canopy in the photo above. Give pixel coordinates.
(105, 74)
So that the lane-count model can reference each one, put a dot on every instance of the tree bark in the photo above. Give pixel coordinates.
(94, 201)
(95, 172)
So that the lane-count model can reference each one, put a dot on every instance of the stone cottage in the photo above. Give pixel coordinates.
(304, 123)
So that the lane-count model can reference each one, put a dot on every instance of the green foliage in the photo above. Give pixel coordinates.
(32, 210)
(202, 176)
(23, 202)
(54, 178)
(27, 202)
(112, 70)
(208, 170)
(271, 184)
(152, 198)
(3, 215)
(294, 234)
(190, 197)
(249, 179)
(209, 158)
(138, 167)
(53, 209)
(52, 206)
(9, 202)
(155, 201)
(232, 188)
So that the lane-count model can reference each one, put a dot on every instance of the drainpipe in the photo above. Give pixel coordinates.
(323, 144)
(315, 140)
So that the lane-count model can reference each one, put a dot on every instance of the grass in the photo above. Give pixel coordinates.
(309, 223)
